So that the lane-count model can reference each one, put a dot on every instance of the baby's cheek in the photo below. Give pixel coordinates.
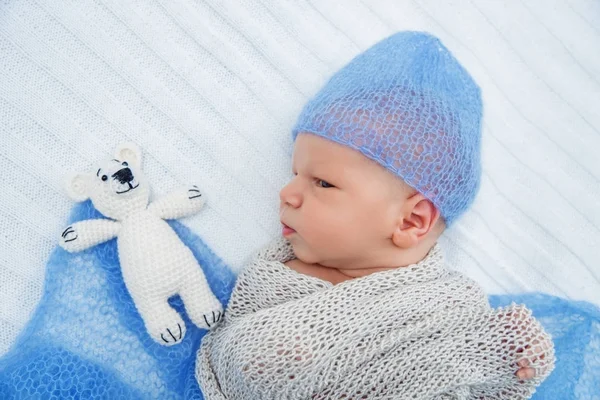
(351, 233)
(328, 237)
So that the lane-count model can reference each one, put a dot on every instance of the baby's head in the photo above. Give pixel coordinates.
(386, 156)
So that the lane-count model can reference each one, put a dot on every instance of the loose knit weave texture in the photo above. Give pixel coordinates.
(420, 332)
(408, 104)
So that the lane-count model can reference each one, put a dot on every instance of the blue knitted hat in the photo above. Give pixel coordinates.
(409, 105)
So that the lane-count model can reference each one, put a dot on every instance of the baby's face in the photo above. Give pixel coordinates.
(341, 206)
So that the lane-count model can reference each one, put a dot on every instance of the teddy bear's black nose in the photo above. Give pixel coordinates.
(123, 175)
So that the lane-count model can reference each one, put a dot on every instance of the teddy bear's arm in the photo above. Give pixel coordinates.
(178, 204)
(85, 234)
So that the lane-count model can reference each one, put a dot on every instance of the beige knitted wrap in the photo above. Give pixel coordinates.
(419, 332)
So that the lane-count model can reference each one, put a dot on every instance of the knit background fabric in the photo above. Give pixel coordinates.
(409, 105)
(210, 91)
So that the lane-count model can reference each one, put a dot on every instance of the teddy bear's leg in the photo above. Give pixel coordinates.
(203, 308)
(163, 323)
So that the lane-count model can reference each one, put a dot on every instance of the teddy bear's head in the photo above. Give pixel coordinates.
(117, 187)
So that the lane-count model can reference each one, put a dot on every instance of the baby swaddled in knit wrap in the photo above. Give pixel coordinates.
(419, 332)
(355, 301)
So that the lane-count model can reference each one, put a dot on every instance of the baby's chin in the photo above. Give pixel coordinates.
(304, 252)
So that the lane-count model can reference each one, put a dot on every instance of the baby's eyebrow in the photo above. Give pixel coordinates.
(114, 159)
(98, 173)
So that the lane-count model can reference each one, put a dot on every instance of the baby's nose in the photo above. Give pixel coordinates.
(291, 194)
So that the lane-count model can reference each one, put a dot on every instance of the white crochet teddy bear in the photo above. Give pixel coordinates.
(155, 263)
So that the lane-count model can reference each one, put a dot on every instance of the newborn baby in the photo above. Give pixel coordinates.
(354, 301)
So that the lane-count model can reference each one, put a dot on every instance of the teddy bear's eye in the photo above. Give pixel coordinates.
(124, 163)
(104, 177)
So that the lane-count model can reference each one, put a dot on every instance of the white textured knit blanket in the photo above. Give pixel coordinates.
(419, 332)
(209, 89)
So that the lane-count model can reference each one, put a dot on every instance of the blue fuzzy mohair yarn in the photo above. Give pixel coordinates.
(409, 105)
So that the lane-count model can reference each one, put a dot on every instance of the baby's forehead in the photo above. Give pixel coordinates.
(325, 154)
(315, 150)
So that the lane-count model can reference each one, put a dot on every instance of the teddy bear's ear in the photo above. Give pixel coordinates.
(77, 186)
(129, 152)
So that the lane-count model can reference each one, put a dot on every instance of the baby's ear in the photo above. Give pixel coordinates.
(129, 152)
(77, 186)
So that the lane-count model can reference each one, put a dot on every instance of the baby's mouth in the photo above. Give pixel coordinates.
(287, 231)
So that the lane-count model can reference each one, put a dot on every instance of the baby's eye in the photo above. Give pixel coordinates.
(324, 184)
(125, 163)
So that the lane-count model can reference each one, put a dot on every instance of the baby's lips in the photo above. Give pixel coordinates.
(287, 230)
